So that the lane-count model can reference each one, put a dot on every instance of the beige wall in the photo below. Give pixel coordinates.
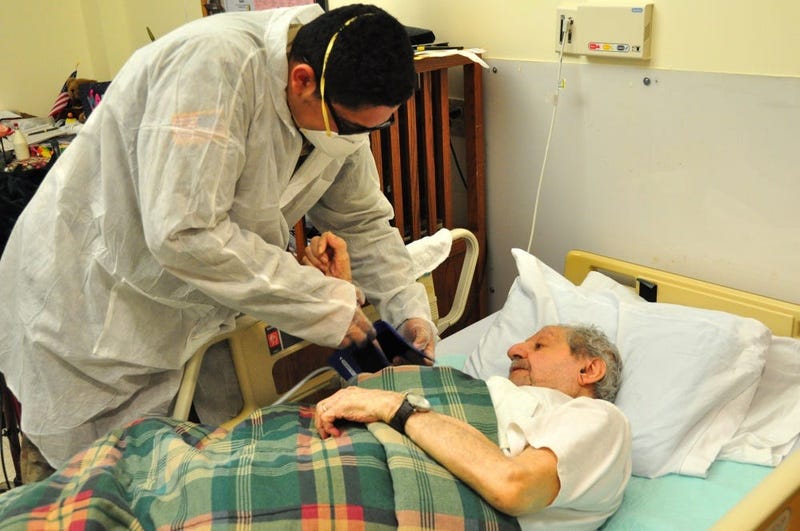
(43, 41)
(47, 38)
(733, 36)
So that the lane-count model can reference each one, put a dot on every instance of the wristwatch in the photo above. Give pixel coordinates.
(412, 403)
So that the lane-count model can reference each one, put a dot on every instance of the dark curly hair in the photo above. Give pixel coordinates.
(371, 62)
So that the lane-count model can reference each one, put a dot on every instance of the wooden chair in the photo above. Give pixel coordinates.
(254, 363)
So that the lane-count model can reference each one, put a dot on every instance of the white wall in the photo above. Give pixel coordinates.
(696, 173)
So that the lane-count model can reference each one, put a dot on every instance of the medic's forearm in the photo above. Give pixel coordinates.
(256, 278)
(355, 209)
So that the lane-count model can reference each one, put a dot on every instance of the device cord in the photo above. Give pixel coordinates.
(290, 393)
(559, 87)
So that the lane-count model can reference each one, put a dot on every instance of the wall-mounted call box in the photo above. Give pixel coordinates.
(608, 29)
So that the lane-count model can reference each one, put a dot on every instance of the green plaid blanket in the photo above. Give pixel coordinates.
(271, 471)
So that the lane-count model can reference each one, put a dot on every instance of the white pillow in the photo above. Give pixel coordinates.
(689, 375)
(428, 252)
(771, 427)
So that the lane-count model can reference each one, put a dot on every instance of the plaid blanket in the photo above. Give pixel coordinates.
(271, 471)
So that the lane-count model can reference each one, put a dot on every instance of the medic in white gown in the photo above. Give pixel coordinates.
(169, 215)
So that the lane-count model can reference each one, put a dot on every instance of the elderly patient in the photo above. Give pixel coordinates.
(561, 460)
(564, 455)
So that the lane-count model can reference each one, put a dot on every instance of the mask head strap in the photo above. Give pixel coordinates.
(325, 67)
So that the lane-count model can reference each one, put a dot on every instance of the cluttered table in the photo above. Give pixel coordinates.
(29, 146)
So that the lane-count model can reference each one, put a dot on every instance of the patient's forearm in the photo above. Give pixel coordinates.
(515, 485)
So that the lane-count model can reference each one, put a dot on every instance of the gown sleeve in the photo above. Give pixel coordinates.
(355, 208)
(191, 151)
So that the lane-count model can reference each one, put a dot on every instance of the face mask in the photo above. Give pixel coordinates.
(335, 146)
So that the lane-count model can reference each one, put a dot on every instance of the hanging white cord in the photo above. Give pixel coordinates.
(559, 86)
(288, 394)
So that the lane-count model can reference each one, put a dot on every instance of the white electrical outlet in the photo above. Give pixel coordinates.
(564, 30)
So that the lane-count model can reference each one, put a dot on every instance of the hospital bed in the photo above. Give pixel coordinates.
(732, 495)
(267, 467)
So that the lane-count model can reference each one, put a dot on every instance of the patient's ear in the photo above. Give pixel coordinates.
(593, 371)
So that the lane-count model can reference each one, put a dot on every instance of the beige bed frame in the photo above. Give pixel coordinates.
(774, 504)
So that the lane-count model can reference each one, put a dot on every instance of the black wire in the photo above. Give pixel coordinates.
(3, 433)
(458, 166)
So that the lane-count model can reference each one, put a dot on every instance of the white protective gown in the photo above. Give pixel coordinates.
(167, 216)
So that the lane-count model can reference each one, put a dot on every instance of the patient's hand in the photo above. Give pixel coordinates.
(355, 404)
(328, 253)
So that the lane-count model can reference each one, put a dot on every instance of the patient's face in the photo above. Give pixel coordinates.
(545, 360)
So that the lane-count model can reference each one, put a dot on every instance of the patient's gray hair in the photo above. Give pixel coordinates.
(588, 341)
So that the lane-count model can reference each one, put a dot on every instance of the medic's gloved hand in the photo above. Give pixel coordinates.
(328, 253)
(420, 333)
(359, 332)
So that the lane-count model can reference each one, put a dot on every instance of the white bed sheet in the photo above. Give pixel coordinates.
(453, 350)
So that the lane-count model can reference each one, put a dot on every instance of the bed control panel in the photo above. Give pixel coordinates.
(647, 290)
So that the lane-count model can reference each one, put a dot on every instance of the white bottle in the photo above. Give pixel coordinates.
(21, 151)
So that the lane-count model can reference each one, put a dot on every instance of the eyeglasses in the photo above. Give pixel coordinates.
(344, 127)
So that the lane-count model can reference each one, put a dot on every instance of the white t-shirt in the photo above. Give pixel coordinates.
(591, 439)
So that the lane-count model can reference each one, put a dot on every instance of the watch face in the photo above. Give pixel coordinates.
(419, 402)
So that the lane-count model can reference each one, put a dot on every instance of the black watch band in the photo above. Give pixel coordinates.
(411, 404)
(400, 418)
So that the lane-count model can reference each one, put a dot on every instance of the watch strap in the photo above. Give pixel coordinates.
(398, 421)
